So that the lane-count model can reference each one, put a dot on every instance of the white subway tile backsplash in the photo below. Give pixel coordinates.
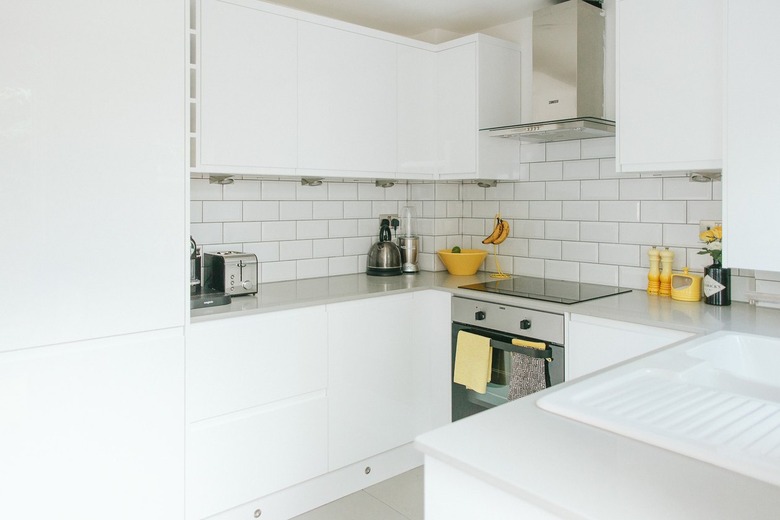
(342, 265)
(563, 190)
(684, 235)
(311, 268)
(599, 274)
(530, 190)
(560, 270)
(641, 189)
(561, 230)
(597, 148)
(619, 211)
(544, 210)
(527, 228)
(281, 230)
(528, 266)
(358, 209)
(770, 276)
(704, 210)
(328, 209)
(342, 228)
(681, 188)
(619, 254)
(295, 249)
(342, 190)
(295, 210)
(277, 271)
(278, 190)
(572, 216)
(310, 229)
(580, 210)
(599, 232)
(547, 171)
(242, 190)
(532, 152)
(633, 233)
(563, 150)
(515, 209)
(580, 251)
(549, 249)
(261, 210)
(671, 212)
(201, 189)
(243, 231)
(425, 191)
(582, 169)
(326, 247)
(599, 190)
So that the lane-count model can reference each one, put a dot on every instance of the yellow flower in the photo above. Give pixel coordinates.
(717, 231)
(707, 236)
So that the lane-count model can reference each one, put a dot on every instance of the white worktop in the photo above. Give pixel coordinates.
(634, 307)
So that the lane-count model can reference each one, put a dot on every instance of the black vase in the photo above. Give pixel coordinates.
(717, 285)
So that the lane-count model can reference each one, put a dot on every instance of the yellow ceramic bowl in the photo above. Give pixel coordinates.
(465, 263)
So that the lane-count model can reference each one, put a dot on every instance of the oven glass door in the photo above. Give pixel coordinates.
(468, 402)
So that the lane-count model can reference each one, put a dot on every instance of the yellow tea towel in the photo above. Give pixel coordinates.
(538, 345)
(473, 355)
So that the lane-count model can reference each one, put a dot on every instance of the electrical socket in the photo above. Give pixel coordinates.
(704, 225)
(389, 217)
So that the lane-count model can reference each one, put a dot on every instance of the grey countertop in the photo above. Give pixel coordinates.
(635, 307)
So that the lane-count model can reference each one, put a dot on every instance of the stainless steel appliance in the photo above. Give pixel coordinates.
(568, 76)
(408, 240)
(195, 267)
(384, 256)
(559, 291)
(501, 323)
(231, 272)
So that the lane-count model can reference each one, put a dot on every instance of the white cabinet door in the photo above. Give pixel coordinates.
(92, 155)
(596, 343)
(94, 429)
(750, 174)
(456, 88)
(669, 93)
(387, 380)
(347, 103)
(416, 112)
(237, 458)
(248, 90)
(243, 362)
(478, 86)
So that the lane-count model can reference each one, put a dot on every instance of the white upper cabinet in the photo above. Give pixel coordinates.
(247, 95)
(669, 85)
(346, 102)
(478, 86)
(417, 128)
(752, 131)
(92, 156)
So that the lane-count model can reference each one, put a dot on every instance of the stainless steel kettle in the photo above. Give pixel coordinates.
(384, 257)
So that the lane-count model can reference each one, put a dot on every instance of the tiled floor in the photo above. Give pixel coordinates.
(398, 498)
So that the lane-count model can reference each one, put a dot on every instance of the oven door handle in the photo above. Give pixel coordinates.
(504, 342)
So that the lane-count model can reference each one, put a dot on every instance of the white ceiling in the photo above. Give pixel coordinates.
(415, 17)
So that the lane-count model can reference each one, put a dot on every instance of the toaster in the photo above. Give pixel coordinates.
(231, 272)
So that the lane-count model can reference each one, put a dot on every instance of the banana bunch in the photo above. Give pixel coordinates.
(500, 232)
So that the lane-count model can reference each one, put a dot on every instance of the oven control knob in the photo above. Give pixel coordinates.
(479, 315)
(525, 324)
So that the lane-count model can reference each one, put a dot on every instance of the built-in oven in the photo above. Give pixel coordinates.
(501, 324)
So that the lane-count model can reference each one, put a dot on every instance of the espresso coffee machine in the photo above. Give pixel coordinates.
(408, 241)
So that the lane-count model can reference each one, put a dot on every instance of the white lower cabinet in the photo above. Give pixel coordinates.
(94, 429)
(386, 379)
(240, 457)
(285, 410)
(596, 343)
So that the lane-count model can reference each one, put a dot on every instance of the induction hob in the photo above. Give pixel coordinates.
(559, 291)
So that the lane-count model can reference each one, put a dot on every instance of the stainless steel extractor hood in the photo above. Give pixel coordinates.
(568, 76)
